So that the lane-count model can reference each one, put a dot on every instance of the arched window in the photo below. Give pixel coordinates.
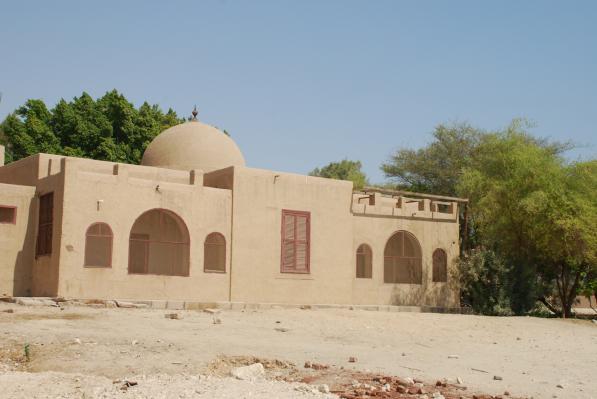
(98, 245)
(402, 259)
(159, 244)
(440, 266)
(214, 253)
(364, 258)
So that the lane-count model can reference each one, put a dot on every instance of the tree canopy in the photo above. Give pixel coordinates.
(533, 216)
(538, 211)
(109, 128)
(343, 170)
(437, 167)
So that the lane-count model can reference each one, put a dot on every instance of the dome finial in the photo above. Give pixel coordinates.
(194, 113)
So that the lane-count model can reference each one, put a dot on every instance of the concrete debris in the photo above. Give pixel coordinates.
(124, 304)
(254, 372)
(352, 359)
(408, 381)
(217, 320)
(212, 310)
(125, 384)
(416, 390)
(323, 388)
(281, 329)
(316, 366)
(173, 316)
(459, 380)
(24, 301)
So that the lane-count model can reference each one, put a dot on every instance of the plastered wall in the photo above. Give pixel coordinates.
(259, 198)
(244, 205)
(17, 240)
(375, 231)
(100, 192)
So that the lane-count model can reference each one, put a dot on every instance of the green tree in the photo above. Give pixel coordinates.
(437, 167)
(538, 212)
(343, 170)
(485, 282)
(109, 128)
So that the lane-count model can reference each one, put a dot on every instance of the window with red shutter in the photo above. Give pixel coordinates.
(45, 224)
(440, 266)
(295, 242)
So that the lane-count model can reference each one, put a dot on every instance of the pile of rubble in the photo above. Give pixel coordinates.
(352, 384)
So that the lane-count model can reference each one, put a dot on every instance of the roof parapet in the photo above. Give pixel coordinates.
(367, 190)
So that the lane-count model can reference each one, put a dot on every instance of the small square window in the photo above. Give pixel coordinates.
(8, 214)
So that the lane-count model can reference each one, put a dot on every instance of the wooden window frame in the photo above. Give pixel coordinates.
(111, 236)
(370, 261)
(294, 241)
(47, 225)
(434, 276)
(147, 241)
(405, 234)
(14, 215)
(205, 244)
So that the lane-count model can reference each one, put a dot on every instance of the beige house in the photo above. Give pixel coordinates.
(193, 223)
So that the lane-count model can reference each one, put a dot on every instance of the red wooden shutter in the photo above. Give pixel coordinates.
(295, 242)
(302, 244)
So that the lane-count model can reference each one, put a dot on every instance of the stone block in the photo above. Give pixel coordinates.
(157, 304)
(175, 305)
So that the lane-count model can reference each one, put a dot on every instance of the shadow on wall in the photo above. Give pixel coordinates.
(23, 268)
(429, 293)
(448, 294)
(433, 294)
(408, 295)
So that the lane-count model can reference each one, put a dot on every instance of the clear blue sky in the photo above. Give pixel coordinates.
(301, 83)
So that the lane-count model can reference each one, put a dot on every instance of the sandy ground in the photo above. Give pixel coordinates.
(531, 355)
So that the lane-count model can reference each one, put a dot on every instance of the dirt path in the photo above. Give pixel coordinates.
(532, 356)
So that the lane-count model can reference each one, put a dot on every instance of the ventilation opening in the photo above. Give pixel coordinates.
(8, 214)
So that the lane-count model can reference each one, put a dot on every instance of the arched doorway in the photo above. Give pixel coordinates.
(159, 244)
(402, 259)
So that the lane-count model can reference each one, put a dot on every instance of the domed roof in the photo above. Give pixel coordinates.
(193, 145)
